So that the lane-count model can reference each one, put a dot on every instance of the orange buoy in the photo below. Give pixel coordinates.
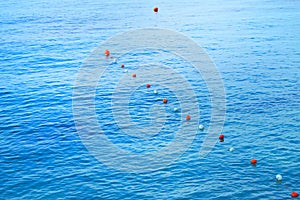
(188, 117)
(165, 100)
(107, 52)
(253, 161)
(133, 75)
(155, 9)
(294, 194)
(122, 65)
(148, 85)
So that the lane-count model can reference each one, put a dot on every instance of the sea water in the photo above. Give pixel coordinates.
(255, 47)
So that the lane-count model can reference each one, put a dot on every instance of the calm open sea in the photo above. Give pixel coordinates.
(255, 46)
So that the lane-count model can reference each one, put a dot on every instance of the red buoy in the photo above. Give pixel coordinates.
(221, 137)
(122, 65)
(148, 85)
(188, 117)
(165, 100)
(253, 161)
(106, 52)
(133, 75)
(155, 9)
(294, 194)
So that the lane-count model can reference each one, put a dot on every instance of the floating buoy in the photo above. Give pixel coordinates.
(231, 149)
(201, 127)
(278, 177)
(221, 138)
(148, 85)
(294, 194)
(155, 91)
(106, 52)
(253, 161)
(188, 117)
(165, 100)
(175, 109)
(126, 70)
(155, 9)
(122, 66)
(133, 75)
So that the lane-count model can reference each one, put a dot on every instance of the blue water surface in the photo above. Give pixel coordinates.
(255, 46)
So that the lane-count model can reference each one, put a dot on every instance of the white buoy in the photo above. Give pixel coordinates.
(155, 91)
(278, 177)
(126, 70)
(201, 127)
(175, 109)
(231, 149)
